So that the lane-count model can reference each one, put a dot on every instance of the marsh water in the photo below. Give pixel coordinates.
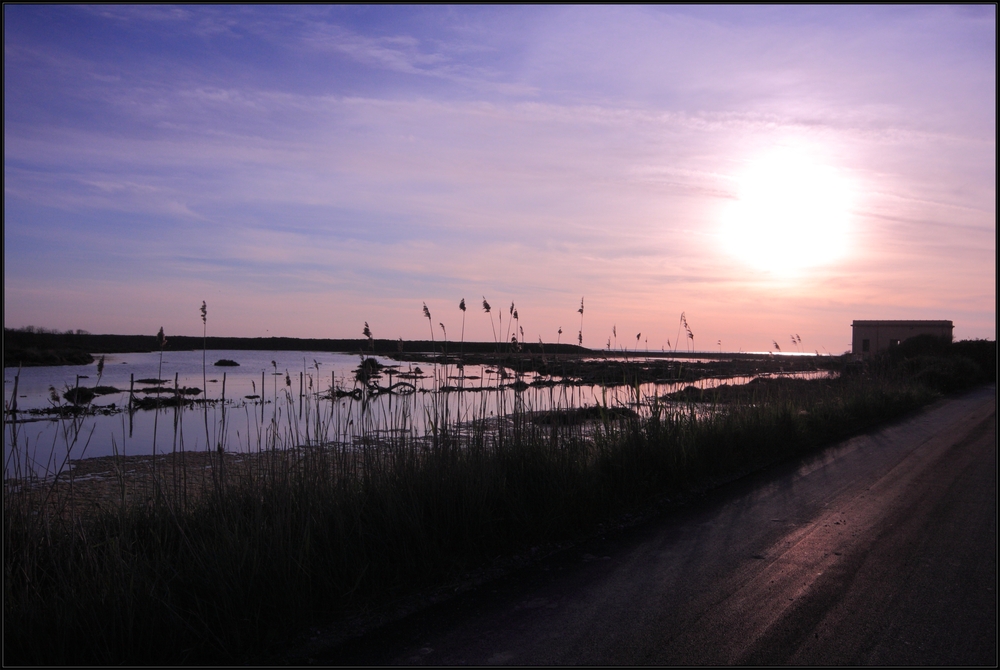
(276, 398)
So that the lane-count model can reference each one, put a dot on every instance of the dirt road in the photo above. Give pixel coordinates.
(879, 550)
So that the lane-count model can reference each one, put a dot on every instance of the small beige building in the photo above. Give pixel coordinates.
(871, 337)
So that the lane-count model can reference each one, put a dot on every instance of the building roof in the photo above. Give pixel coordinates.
(890, 322)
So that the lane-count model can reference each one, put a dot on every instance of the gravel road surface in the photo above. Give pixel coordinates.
(879, 550)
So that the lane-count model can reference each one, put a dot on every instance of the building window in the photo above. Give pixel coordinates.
(866, 345)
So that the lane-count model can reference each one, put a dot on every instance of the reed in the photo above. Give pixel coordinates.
(579, 337)
(461, 306)
(678, 335)
(430, 324)
(486, 308)
(323, 515)
(204, 368)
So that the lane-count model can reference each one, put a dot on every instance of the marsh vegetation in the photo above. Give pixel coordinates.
(221, 554)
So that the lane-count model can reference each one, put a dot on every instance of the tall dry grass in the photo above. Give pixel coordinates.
(311, 526)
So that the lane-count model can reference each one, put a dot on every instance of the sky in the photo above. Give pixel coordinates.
(769, 172)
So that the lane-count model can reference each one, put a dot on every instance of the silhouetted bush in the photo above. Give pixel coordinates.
(923, 345)
(946, 373)
(942, 365)
(983, 352)
(80, 395)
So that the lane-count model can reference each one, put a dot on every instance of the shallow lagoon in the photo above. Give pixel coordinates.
(281, 397)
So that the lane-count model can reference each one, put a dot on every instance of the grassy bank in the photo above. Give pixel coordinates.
(228, 572)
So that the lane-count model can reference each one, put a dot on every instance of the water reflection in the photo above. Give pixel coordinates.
(283, 398)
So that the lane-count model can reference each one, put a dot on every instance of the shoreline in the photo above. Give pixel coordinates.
(41, 349)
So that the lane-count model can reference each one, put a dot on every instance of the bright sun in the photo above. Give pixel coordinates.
(792, 213)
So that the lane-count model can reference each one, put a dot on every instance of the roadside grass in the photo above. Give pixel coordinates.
(312, 530)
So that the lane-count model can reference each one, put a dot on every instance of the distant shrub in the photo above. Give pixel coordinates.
(940, 364)
(983, 352)
(946, 374)
(922, 345)
(80, 395)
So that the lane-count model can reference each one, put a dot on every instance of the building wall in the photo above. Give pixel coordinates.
(871, 337)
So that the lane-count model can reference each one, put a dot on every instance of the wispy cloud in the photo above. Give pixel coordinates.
(377, 154)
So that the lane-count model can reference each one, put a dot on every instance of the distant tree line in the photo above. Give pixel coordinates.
(41, 346)
(46, 331)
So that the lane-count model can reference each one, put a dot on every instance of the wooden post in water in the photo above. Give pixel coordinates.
(173, 452)
(222, 430)
(131, 401)
(262, 398)
(13, 423)
(300, 396)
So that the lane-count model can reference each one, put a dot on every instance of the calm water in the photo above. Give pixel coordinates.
(272, 396)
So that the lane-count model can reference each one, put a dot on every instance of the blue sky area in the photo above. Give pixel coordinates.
(307, 169)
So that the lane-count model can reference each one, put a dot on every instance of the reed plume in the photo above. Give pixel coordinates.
(677, 338)
(204, 337)
(688, 329)
(518, 326)
(511, 312)
(486, 308)
(161, 340)
(430, 324)
(368, 333)
(461, 306)
(204, 370)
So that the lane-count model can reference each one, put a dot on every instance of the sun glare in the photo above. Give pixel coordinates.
(792, 214)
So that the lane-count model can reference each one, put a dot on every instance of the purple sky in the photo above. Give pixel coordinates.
(307, 169)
